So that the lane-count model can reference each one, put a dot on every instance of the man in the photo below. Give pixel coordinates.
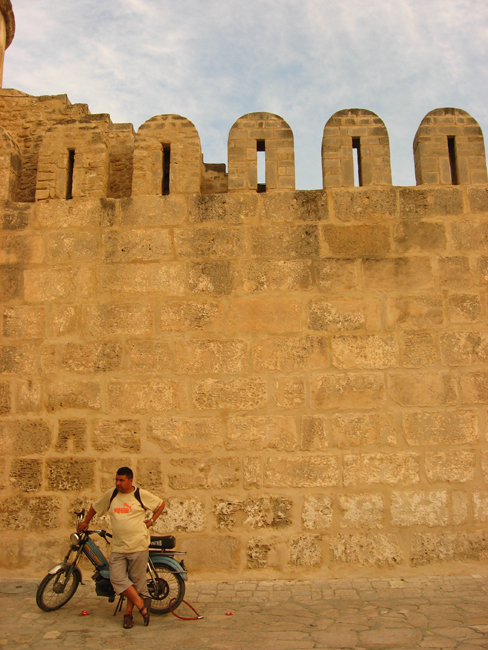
(130, 543)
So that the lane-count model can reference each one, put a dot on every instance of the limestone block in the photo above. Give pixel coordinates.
(123, 435)
(470, 235)
(464, 348)
(181, 515)
(296, 206)
(252, 472)
(343, 314)
(365, 204)
(205, 356)
(484, 464)
(422, 388)
(211, 553)
(29, 513)
(185, 435)
(474, 388)
(156, 211)
(289, 392)
(108, 469)
(279, 275)
(258, 512)
(48, 357)
(164, 278)
(419, 508)
(73, 246)
(459, 504)
(136, 245)
(366, 550)
(305, 550)
(213, 243)
(158, 395)
(419, 237)
(26, 474)
(67, 474)
(287, 354)
(64, 320)
(428, 548)
(242, 394)
(258, 432)
(454, 272)
(277, 315)
(314, 432)
(76, 213)
(24, 437)
(3, 473)
(336, 275)
(148, 356)
(358, 429)
(464, 308)
(149, 475)
(358, 390)
(93, 357)
(216, 278)
(72, 435)
(398, 273)
(355, 241)
(5, 398)
(480, 507)
(285, 242)
(482, 268)
(415, 312)
(10, 283)
(21, 249)
(58, 283)
(24, 322)
(73, 395)
(478, 199)
(18, 359)
(432, 202)
(117, 319)
(309, 471)
(15, 216)
(258, 551)
(318, 512)
(190, 315)
(366, 352)
(208, 473)
(450, 466)
(401, 468)
(440, 428)
(361, 510)
(223, 208)
(418, 349)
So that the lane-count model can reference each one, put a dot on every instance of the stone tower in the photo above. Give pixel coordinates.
(7, 31)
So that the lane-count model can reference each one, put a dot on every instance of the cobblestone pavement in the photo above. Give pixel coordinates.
(434, 612)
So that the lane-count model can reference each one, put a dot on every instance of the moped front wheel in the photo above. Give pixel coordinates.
(168, 587)
(54, 591)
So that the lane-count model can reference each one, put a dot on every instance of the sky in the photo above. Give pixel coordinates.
(213, 61)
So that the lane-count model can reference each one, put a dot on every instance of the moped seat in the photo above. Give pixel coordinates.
(162, 542)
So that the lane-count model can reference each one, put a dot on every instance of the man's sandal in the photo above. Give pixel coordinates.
(128, 621)
(147, 607)
(145, 615)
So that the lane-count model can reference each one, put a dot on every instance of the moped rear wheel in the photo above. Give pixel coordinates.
(53, 592)
(169, 587)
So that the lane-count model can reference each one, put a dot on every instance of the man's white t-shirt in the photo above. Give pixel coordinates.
(130, 533)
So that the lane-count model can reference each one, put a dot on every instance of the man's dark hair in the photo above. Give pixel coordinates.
(125, 471)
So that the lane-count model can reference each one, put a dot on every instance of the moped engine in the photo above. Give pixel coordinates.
(103, 587)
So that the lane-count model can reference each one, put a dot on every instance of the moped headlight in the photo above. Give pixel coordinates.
(74, 538)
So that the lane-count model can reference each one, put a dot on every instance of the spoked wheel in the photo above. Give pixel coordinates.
(54, 591)
(169, 586)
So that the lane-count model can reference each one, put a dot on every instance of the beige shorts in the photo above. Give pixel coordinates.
(127, 569)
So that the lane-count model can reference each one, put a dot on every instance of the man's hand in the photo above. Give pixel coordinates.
(148, 522)
(82, 526)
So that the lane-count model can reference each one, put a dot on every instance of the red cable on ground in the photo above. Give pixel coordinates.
(184, 618)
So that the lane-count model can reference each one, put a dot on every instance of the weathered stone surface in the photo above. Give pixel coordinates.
(211, 553)
(415, 312)
(117, 319)
(181, 514)
(366, 352)
(153, 210)
(258, 551)
(280, 275)
(149, 475)
(258, 432)
(474, 388)
(310, 471)
(158, 395)
(478, 199)
(289, 392)
(17, 359)
(223, 208)
(285, 242)
(442, 427)
(428, 548)
(355, 241)
(450, 466)
(15, 216)
(464, 348)
(24, 322)
(419, 507)
(243, 394)
(418, 349)
(136, 245)
(216, 278)
(252, 472)
(336, 275)
(93, 357)
(287, 354)
(464, 308)
(343, 314)
(75, 246)
(366, 550)
(317, 512)
(107, 469)
(75, 213)
(314, 432)
(365, 204)
(259, 512)
(358, 429)
(149, 356)
(279, 315)
(72, 435)
(401, 468)
(5, 398)
(398, 273)
(296, 206)
(24, 437)
(44, 284)
(208, 473)
(459, 501)
(361, 510)
(305, 550)
(185, 316)
(470, 235)
(432, 202)
(204, 356)
(64, 320)
(419, 237)
(187, 435)
(341, 638)
(358, 390)
(480, 506)
(68, 474)
(10, 283)
(26, 474)
(29, 513)
(422, 388)
(123, 434)
(73, 395)
(164, 278)
(21, 249)
(454, 272)
(214, 243)
(391, 637)
(482, 268)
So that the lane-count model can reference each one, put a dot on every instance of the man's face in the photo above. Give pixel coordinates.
(123, 483)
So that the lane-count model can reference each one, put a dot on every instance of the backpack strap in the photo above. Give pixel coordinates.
(137, 495)
(114, 494)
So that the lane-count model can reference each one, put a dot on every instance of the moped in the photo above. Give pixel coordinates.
(165, 575)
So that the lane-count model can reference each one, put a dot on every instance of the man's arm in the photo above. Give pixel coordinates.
(150, 522)
(83, 525)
